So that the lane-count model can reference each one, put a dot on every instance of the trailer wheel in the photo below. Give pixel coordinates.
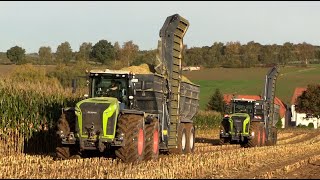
(263, 135)
(181, 141)
(64, 152)
(274, 134)
(190, 138)
(152, 140)
(255, 141)
(131, 125)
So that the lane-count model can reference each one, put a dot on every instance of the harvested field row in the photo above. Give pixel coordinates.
(208, 161)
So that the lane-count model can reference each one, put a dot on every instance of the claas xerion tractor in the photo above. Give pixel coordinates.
(252, 122)
(135, 115)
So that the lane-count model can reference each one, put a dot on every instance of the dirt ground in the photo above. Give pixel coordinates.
(310, 171)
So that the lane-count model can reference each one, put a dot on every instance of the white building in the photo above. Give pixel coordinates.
(302, 118)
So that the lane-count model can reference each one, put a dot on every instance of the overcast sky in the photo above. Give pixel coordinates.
(34, 24)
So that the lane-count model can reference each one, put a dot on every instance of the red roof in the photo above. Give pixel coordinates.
(297, 92)
(227, 98)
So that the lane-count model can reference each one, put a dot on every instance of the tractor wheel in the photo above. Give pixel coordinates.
(181, 141)
(255, 141)
(66, 151)
(274, 135)
(190, 138)
(133, 149)
(263, 135)
(223, 141)
(152, 140)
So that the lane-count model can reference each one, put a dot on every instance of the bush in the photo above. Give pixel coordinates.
(65, 74)
(311, 125)
(279, 124)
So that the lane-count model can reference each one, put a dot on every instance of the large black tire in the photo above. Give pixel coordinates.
(274, 133)
(223, 140)
(181, 140)
(64, 152)
(190, 144)
(152, 140)
(263, 136)
(274, 137)
(132, 126)
(256, 139)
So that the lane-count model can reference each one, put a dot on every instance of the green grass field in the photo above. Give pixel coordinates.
(251, 81)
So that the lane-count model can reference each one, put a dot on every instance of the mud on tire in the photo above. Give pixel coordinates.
(133, 150)
(256, 140)
(65, 123)
(181, 140)
(274, 137)
(223, 141)
(152, 140)
(263, 135)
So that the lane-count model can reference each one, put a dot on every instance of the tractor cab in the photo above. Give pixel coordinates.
(252, 107)
(243, 106)
(112, 83)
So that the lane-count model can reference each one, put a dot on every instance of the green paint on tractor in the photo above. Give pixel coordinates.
(113, 108)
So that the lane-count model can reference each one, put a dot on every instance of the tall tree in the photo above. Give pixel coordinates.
(129, 52)
(84, 52)
(117, 50)
(286, 53)
(193, 56)
(305, 52)
(250, 54)
(16, 54)
(103, 51)
(45, 54)
(216, 102)
(64, 52)
(270, 54)
(232, 53)
(309, 101)
(145, 57)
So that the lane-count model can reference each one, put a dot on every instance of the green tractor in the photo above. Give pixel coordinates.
(135, 116)
(252, 122)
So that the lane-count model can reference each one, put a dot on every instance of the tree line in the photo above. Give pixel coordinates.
(231, 54)
(252, 54)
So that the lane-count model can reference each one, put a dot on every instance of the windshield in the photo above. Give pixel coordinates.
(258, 110)
(104, 86)
(243, 107)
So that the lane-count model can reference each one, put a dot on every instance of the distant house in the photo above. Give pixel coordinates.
(280, 107)
(191, 68)
(299, 118)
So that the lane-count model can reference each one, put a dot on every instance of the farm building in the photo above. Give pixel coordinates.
(299, 118)
(280, 107)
